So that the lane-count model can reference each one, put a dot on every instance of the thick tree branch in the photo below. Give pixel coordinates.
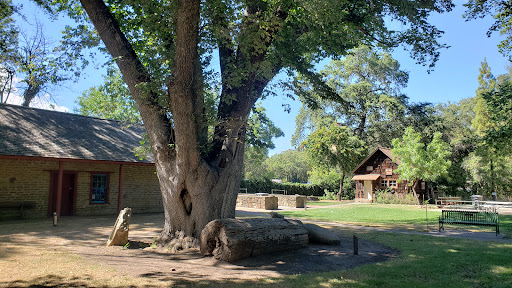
(185, 88)
(135, 75)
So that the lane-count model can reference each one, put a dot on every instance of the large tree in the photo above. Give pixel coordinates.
(419, 161)
(8, 48)
(161, 48)
(335, 147)
(367, 85)
(501, 11)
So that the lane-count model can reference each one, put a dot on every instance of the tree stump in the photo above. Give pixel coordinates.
(234, 239)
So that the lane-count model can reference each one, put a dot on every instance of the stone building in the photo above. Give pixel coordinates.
(72, 165)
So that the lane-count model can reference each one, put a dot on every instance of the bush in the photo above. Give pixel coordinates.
(329, 195)
(387, 196)
(266, 186)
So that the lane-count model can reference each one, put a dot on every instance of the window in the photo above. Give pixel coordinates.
(369, 168)
(388, 183)
(99, 188)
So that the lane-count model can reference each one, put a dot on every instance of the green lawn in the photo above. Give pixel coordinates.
(424, 261)
(405, 217)
(322, 203)
(392, 216)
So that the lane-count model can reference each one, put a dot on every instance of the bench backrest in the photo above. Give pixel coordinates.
(470, 216)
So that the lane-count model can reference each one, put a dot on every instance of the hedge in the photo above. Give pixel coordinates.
(266, 186)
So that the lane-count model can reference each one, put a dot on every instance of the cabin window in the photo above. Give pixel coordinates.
(388, 183)
(99, 188)
(369, 168)
(422, 185)
(389, 171)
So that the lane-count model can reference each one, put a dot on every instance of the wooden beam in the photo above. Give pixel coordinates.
(120, 189)
(59, 189)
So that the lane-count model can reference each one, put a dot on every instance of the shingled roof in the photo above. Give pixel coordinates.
(44, 133)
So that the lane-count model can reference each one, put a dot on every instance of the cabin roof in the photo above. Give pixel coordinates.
(384, 150)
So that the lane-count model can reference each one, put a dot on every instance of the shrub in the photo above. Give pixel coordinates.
(329, 195)
(387, 196)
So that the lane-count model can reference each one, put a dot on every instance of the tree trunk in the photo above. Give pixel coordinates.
(340, 192)
(414, 184)
(234, 239)
(30, 93)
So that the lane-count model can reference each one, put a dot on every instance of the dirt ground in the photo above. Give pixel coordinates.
(74, 254)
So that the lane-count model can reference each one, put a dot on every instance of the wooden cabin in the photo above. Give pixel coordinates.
(377, 171)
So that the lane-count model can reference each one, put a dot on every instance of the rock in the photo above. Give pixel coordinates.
(320, 235)
(275, 215)
(119, 236)
(234, 239)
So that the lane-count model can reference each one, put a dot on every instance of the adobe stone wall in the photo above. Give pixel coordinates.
(24, 180)
(269, 202)
(295, 201)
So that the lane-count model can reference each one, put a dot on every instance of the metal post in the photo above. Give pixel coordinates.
(356, 245)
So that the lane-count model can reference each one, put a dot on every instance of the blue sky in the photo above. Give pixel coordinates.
(454, 77)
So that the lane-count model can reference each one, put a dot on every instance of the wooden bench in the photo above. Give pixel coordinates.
(467, 217)
(16, 207)
(441, 201)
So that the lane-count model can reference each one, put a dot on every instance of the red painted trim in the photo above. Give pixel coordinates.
(120, 189)
(14, 157)
(59, 189)
(50, 195)
(75, 192)
(107, 200)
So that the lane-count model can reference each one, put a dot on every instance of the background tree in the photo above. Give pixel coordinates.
(290, 165)
(260, 134)
(419, 161)
(501, 11)
(159, 48)
(499, 105)
(111, 100)
(8, 48)
(367, 85)
(335, 147)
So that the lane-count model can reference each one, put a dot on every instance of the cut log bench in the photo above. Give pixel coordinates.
(234, 239)
(469, 217)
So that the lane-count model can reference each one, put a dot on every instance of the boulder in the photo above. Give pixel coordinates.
(119, 235)
(320, 235)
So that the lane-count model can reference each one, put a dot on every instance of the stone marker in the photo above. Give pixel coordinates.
(320, 235)
(119, 236)
(234, 239)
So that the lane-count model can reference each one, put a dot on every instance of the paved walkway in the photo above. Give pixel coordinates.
(461, 234)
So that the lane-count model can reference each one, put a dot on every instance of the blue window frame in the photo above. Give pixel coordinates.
(99, 188)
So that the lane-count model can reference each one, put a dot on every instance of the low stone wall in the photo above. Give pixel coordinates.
(295, 201)
(268, 202)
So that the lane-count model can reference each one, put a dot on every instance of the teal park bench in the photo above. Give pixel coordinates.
(466, 217)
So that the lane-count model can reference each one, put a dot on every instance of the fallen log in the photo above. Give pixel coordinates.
(234, 239)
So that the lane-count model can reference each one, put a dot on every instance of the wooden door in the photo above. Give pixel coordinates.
(67, 206)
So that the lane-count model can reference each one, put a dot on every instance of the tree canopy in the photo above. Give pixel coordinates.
(163, 49)
(419, 161)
